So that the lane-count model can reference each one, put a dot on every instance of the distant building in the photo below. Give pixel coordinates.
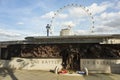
(66, 32)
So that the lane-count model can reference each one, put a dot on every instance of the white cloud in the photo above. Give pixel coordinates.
(118, 5)
(51, 14)
(20, 23)
(10, 35)
(102, 28)
(111, 15)
(77, 12)
(48, 15)
(81, 32)
(62, 16)
(108, 22)
(68, 24)
(96, 9)
(111, 19)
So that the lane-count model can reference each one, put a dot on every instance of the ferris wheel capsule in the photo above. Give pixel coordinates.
(76, 5)
(80, 5)
(72, 4)
(87, 10)
(92, 17)
(90, 13)
(68, 5)
(64, 6)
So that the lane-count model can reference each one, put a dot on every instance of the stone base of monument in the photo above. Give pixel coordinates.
(45, 64)
(101, 65)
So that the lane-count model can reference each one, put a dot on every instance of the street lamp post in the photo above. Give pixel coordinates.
(48, 29)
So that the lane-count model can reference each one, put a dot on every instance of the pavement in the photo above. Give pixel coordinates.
(8, 74)
(102, 77)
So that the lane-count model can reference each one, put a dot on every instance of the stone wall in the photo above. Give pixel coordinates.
(46, 64)
(70, 53)
(101, 65)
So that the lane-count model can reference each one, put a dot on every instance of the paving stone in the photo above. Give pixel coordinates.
(44, 75)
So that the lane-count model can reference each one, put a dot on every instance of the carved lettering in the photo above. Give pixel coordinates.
(42, 62)
(103, 62)
(87, 62)
(93, 62)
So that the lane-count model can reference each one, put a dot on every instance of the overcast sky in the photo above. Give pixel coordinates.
(21, 18)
